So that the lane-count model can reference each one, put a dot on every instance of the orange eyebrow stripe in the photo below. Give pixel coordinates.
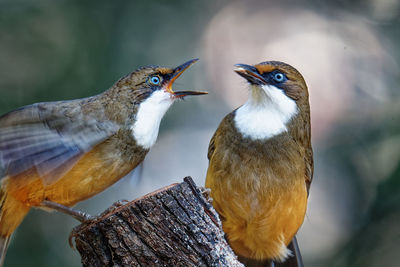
(164, 70)
(262, 68)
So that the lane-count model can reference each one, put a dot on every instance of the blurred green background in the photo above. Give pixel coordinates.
(348, 52)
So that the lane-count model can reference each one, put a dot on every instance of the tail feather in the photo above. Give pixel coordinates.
(12, 212)
(4, 242)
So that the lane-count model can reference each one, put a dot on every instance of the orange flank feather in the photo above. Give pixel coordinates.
(93, 173)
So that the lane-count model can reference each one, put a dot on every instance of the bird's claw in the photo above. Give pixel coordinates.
(120, 203)
(86, 219)
(206, 192)
(75, 231)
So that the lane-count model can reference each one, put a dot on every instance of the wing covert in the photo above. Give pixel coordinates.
(49, 137)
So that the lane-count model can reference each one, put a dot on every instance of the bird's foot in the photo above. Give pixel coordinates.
(206, 192)
(77, 229)
(74, 234)
(114, 206)
(81, 216)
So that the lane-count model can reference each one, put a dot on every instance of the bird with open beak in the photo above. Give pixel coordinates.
(56, 154)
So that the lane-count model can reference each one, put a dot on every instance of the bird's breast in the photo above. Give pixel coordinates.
(259, 190)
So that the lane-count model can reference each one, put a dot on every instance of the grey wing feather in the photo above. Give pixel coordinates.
(309, 168)
(228, 120)
(49, 138)
(211, 147)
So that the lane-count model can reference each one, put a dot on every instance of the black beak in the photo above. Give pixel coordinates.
(250, 73)
(177, 72)
(180, 94)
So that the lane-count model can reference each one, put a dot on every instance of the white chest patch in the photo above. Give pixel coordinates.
(265, 115)
(148, 118)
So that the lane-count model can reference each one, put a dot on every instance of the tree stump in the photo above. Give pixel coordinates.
(174, 226)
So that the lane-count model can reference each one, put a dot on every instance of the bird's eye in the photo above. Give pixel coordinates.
(155, 80)
(279, 77)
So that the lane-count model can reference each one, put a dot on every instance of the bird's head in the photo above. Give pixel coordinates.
(147, 94)
(278, 100)
(156, 82)
(274, 81)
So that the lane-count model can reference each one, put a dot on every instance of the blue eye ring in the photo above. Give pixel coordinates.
(279, 77)
(155, 80)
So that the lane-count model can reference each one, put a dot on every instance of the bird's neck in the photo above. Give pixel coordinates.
(148, 117)
(139, 114)
(265, 114)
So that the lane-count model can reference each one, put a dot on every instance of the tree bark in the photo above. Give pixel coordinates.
(174, 226)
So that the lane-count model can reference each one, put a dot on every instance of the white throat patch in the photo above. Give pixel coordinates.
(148, 118)
(265, 114)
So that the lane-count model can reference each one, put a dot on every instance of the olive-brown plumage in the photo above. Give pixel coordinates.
(68, 151)
(261, 163)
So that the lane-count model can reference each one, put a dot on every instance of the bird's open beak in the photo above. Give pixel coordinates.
(250, 73)
(175, 74)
